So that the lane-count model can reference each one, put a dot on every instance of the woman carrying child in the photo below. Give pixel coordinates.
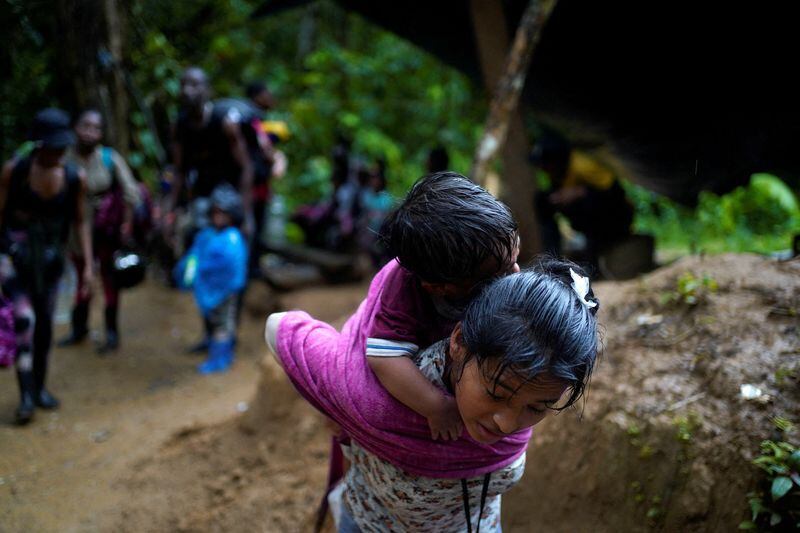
(521, 346)
(526, 347)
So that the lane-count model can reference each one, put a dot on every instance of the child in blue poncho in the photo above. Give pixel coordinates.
(215, 269)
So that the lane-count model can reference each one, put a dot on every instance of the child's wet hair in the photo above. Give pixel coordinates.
(534, 322)
(447, 227)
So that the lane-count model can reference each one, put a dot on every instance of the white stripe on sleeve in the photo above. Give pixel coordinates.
(387, 348)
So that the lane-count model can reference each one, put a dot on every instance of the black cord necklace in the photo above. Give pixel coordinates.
(465, 498)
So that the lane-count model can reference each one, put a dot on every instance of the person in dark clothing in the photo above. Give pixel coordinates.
(438, 160)
(263, 154)
(259, 94)
(209, 148)
(48, 200)
(331, 223)
(587, 193)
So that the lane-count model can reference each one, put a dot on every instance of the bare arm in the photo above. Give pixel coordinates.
(401, 377)
(178, 174)
(84, 232)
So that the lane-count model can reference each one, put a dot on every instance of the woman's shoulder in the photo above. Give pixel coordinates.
(431, 361)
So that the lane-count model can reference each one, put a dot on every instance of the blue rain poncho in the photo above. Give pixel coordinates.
(214, 267)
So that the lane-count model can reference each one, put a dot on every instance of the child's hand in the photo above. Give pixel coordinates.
(445, 422)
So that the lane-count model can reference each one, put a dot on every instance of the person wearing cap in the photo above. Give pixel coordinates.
(215, 268)
(112, 197)
(41, 199)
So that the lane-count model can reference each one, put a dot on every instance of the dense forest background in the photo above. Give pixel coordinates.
(333, 73)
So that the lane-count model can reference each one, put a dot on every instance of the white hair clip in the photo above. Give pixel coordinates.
(580, 285)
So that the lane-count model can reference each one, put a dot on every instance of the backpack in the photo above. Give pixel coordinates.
(8, 337)
(110, 211)
(109, 215)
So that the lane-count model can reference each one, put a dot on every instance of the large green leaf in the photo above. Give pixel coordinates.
(780, 486)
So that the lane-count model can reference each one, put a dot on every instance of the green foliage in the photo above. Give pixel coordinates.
(760, 217)
(392, 99)
(334, 73)
(28, 79)
(787, 373)
(685, 427)
(690, 290)
(776, 507)
(331, 73)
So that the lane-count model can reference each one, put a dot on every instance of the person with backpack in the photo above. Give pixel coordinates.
(41, 200)
(209, 147)
(112, 198)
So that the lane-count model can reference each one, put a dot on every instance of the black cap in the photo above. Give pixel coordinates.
(51, 129)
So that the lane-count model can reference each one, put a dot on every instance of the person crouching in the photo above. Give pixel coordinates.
(215, 268)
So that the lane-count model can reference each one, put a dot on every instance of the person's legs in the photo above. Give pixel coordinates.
(24, 324)
(204, 343)
(80, 312)
(111, 296)
(256, 246)
(43, 308)
(223, 325)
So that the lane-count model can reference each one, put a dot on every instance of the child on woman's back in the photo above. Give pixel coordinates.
(449, 238)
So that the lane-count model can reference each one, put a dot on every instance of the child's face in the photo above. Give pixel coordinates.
(489, 411)
(220, 219)
(462, 292)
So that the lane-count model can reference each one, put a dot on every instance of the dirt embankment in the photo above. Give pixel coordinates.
(666, 440)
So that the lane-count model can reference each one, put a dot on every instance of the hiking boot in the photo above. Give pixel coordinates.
(200, 347)
(45, 400)
(24, 412)
(220, 358)
(73, 339)
(111, 344)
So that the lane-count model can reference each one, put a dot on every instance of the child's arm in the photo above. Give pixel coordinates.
(401, 377)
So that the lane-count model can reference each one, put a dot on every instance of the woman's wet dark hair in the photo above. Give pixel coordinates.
(533, 322)
(447, 227)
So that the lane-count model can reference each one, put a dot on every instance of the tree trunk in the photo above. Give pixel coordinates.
(90, 59)
(504, 129)
(116, 36)
(307, 34)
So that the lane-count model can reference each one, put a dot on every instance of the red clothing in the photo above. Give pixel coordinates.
(405, 311)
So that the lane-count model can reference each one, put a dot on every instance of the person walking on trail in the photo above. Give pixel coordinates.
(215, 268)
(41, 200)
(208, 148)
(268, 162)
(112, 198)
(525, 347)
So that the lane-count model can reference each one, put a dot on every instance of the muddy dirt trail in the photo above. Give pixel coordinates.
(72, 469)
